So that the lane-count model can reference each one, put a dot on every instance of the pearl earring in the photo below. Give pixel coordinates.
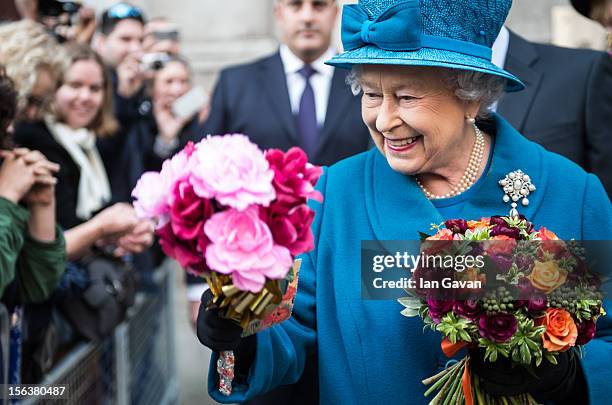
(470, 120)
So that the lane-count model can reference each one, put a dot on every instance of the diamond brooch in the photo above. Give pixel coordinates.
(517, 186)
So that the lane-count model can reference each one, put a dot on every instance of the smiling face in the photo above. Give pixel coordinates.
(170, 83)
(415, 119)
(80, 97)
(306, 26)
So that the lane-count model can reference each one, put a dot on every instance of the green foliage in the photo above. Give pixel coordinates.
(478, 234)
(494, 349)
(525, 344)
(455, 328)
(411, 306)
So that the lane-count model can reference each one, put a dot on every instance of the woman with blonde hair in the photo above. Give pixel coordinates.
(32, 59)
(82, 113)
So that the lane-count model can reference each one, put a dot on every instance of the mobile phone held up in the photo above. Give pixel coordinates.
(190, 103)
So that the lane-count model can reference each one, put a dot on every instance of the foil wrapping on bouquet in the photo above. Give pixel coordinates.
(253, 312)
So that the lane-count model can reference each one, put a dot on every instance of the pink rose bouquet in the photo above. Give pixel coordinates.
(235, 215)
(223, 206)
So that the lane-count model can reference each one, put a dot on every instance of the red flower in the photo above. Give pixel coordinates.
(294, 177)
(188, 214)
(187, 253)
(183, 237)
(586, 332)
(291, 228)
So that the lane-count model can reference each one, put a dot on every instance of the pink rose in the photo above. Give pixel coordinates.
(151, 199)
(189, 213)
(187, 252)
(232, 170)
(242, 245)
(154, 190)
(294, 177)
(292, 229)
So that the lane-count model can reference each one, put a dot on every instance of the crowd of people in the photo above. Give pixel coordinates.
(84, 112)
(88, 104)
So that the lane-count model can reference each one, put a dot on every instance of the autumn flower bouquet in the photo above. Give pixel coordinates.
(237, 216)
(533, 300)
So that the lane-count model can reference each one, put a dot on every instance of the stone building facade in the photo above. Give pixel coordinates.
(218, 33)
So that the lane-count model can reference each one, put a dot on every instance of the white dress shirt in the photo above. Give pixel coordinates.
(500, 47)
(320, 81)
(500, 52)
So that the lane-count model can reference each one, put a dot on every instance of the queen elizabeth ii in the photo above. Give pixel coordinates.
(428, 90)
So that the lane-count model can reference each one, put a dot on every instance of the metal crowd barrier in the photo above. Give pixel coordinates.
(135, 366)
(5, 331)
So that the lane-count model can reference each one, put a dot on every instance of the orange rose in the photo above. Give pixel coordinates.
(500, 245)
(546, 234)
(481, 223)
(561, 331)
(443, 234)
(547, 276)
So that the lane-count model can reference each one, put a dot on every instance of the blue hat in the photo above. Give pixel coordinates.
(455, 34)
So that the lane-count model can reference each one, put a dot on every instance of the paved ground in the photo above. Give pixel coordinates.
(192, 357)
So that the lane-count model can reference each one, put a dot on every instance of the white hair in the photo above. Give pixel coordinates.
(467, 85)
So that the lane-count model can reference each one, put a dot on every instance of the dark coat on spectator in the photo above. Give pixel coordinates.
(567, 104)
(37, 136)
(253, 99)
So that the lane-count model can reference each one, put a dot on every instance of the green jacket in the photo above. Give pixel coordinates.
(37, 265)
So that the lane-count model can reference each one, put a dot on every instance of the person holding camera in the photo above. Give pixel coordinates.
(119, 43)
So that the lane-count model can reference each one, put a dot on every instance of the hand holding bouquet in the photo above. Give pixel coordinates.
(538, 302)
(236, 216)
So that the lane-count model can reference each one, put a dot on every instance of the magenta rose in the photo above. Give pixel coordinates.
(187, 252)
(294, 178)
(467, 308)
(537, 302)
(292, 230)
(502, 263)
(457, 225)
(439, 308)
(189, 213)
(497, 327)
(241, 244)
(586, 332)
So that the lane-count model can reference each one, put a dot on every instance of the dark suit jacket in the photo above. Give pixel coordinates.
(253, 99)
(567, 104)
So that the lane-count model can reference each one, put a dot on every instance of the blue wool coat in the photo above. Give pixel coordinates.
(368, 352)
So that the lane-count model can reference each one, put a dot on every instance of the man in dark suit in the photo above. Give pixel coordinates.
(262, 99)
(292, 98)
(567, 103)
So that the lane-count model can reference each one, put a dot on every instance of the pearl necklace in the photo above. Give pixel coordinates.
(469, 176)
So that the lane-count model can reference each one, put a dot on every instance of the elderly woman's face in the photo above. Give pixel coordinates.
(416, 121)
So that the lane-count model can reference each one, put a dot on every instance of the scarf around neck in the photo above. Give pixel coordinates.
(94, 188)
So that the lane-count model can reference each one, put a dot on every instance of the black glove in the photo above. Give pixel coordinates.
(221, 334)
(215, 332)
(557, 383)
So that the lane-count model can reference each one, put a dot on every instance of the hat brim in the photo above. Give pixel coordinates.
(372, 55)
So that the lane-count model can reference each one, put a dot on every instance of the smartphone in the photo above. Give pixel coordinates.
(190, 103)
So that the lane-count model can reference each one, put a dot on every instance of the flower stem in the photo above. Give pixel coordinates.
(441, 374)
(455, 375)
